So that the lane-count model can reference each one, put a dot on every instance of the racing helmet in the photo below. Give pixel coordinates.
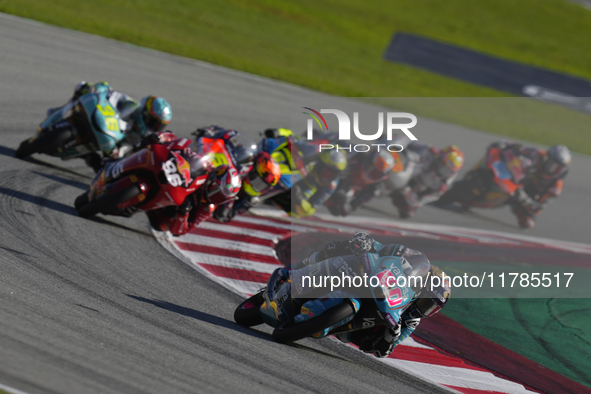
(378, 167)
(244, 148)
(264, 173)
(430, 301)
(223, 184)
(556, 161)
(84, 88)
(154, 114)
(449, 161)
(329, 164)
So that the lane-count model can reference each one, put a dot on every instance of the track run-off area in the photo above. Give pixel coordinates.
(99, 305)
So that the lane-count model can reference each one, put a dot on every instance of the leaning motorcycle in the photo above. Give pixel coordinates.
(363, 178)
(154, 177)
(490, 184)
(77, 129)
(383, 304)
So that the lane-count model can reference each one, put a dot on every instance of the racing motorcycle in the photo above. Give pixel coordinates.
(77, 129)
(154, 177)
(490, 184)
(383, 304)
(363, 178)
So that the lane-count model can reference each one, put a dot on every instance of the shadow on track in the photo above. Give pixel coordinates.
(449, 208)
(41, 201)
(6, 151)
(110, 223)
(205, 317)
(65, 181)
(457, 209)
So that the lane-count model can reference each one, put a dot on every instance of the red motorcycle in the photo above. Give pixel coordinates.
(159, 176)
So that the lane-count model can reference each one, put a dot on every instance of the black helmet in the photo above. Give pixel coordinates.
(245, 148)
(556, 161)
(430, 301)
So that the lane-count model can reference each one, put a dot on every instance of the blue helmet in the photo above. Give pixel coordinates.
(154, 114)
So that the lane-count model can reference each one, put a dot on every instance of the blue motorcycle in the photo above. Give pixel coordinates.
(77, 129)
(395, 277)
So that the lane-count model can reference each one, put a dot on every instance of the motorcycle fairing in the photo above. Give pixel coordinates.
(103, 119)
(505, 177)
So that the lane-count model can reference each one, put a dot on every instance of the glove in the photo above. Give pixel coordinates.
(150, 139)
(529, 204)
(360, 243)
(208, 131)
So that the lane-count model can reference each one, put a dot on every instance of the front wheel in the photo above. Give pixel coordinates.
(248, 313)
(46, 142)
(291, 331)
(108, 202)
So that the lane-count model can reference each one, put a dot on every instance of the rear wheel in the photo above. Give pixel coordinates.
(46, 142)
(107, 202)
(81, 200)
(291, 331)
(248, 312)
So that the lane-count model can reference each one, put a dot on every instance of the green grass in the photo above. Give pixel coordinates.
(552, 332)
(336, 46)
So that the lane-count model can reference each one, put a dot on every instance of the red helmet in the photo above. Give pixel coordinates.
(265, 173)
(449, 161)
(378, 167)
(223, 184)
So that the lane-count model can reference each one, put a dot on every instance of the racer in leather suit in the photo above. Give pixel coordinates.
(301, 186)
(433, 171)
(544, 180)
(382, 339)
(136, 120)
(221, 186)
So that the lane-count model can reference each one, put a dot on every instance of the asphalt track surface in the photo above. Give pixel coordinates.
(89, 306)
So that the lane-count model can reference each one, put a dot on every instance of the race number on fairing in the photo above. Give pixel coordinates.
(170, 169)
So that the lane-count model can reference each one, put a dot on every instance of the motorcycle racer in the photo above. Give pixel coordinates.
(137, 120)
(543, 183)
(264, 174)
(360, 182)
(433, 172)
(536, 175)
(222, 184)
(317, 182)
(379, 339)
(305, 175)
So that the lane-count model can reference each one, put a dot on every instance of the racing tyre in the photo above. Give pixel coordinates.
(81, 200)
(108, 202)
(291, 331)
(248, 313)
(44, 143)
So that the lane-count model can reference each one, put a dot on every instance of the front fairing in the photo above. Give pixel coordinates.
(507, 170)
(103, 120)
(394, 295)
(61, 114)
